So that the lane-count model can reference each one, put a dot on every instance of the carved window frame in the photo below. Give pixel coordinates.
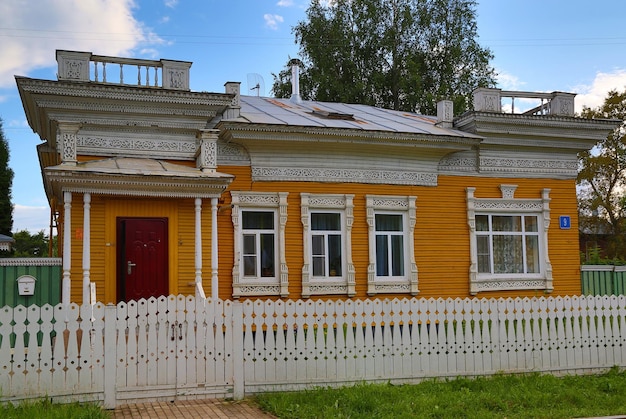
(507, 204)
(262, 201)
(387, 204)
(334, 203)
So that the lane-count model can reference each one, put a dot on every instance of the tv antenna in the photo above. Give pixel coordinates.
(256, 84)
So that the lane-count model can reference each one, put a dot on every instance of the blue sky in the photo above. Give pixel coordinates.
(572, 46)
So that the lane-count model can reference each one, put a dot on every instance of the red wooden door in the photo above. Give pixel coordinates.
(142, 258)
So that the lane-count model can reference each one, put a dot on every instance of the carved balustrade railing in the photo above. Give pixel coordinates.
(85, 66)
(554, 103)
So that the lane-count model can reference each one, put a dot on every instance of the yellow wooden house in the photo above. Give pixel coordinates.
(155, 189)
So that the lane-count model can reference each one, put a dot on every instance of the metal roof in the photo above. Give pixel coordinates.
(272, 111)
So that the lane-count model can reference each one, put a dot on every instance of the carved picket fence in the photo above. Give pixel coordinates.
(180, 347)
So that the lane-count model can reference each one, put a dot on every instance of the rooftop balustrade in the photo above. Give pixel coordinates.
(555, 103)
(87, 67)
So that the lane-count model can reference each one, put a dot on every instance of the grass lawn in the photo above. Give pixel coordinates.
(43, 409)
(501, 396)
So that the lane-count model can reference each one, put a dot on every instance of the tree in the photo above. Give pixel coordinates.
(6, 182)
(30, 245)
(399, 54)
(602, 179)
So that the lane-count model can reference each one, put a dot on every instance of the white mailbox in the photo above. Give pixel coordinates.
(26, 285)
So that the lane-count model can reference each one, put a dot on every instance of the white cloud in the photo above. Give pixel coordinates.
(171, 3)
(17, 123)
(284, 3)
(272, 21)
(593, 95)
(30, 35)
(508, 81)
(33, 219)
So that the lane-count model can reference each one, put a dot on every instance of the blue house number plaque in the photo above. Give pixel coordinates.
(565, 222)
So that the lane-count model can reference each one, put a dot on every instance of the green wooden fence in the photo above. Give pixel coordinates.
(46, 271)
(603, 279)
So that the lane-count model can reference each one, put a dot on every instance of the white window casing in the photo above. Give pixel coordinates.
(392, 205)
(258, 284)
(484, 276)
(326, 283)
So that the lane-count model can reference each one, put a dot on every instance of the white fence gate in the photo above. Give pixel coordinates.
(182, 347)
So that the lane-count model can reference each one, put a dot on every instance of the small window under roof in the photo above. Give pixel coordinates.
(332, 115)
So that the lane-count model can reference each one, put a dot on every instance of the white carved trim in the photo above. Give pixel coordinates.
(67, 140)
(508, 191)
(490, 166)
(231, 155)
(133, 186)
(342, 285)
(523, 165)
(206, 155)
(243, 287)
(388, 203)
(509, 204)
(312, 174)
(153, 146)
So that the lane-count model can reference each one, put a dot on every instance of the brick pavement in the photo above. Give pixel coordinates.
(188, 409)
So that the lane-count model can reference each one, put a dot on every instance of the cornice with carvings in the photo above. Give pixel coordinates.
(372, 176)
(241, 132)
(149, 147)
(130, 185)
(127, 93)
(499, 166)
(540, 126)
(231, 154)
(536, 120)
(124, 109)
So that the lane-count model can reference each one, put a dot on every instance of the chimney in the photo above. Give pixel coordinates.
(233, 88)
(445, 114)
(295, 80)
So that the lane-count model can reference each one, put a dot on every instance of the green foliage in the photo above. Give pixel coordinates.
(595, 256)
(397, 54)
(32, 245)
(45, 409)
(602, 180)
(6, 182)
(510, 396)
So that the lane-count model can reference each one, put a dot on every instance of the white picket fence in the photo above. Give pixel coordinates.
(180, 347)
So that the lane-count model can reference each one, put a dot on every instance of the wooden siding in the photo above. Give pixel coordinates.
(103, 214)
(441, 234)
(442, 250)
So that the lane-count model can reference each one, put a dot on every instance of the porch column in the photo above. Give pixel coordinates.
(198, 243)
(86, 247)
(214, 261)
(67, 247)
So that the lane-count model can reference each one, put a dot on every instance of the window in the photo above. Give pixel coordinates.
(259, 220)
(389, 245)
(326, 244)
(327, 229)
(509, 242)
(391, 221)
(259, 238)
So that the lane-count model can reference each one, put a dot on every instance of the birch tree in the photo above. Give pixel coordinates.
(398, 54)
